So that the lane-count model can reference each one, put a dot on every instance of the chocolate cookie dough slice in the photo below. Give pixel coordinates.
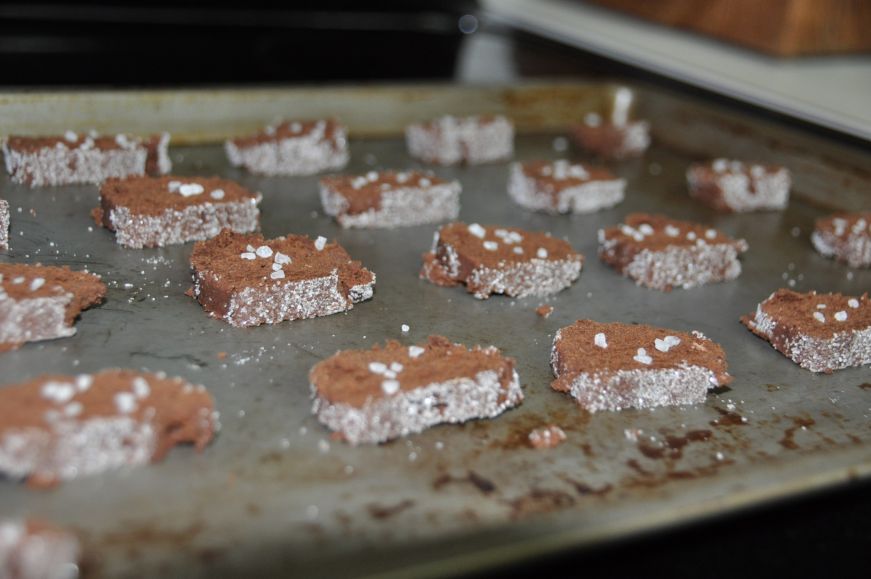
(302, 147)
(728, 185)
(819, 332)
(448, 140)
(158, 211)
(613, 366)
(56, 428)
(33, 549)
(42, 302)
(564, 187)
(247, 280)
(845, 237)
(662, 253)
(611, 139)
(371, 396)
(390, 199)
(500, 260)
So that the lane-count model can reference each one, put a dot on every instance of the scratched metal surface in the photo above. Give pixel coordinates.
(273, 496)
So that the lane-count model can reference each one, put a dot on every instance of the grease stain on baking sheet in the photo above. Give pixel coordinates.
(380, 512)
(539, 501)
(728, 418)
(865, 386)
(798, 423)
(672, 445)
(583, 489)
(485, 485)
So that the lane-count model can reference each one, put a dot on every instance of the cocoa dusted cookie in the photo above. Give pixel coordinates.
(613, 366)
(158, 211)
(33, 549)
(55, 428)
(4, 224)
(735, 186)
(42, 302)
(449, 140)
(91, 158)
(845, 237)
(609, 139)
(500, 260)
(247, 280)
(819, 332)
(292, 148)
(390, 199)
(663, 253)
(371, 396)
(564, 187)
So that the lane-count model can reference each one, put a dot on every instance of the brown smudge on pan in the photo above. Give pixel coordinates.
(673, 445)
(539, 501)
(583, 489)
(135, 538)
(728, 418)
(865, 386)
(798, 422)
(773, 387)
(382, 512)
(484, 485)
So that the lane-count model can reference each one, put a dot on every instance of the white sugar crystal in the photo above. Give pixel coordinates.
(405, 328)
(140, 387)
(264, 251)
(491, 245)
(84, 381)
(248, 255)
(73, 409)
(415, 351)
(518, 250)
(277, 274)
(600, 340)
(477, 230)
(592, 120)
(819, 317)
(645, 229)
(372, 176)
(121, 140)
(125, 402)
(642, 357)
(59, 392)
(841, 316)
(189, 189)
(501, 233)
(720, 165)
(627, 230)
(71, 136)
(691, 235)
(390, 374)
(541, 253)
(711, 233)
(295, 127)
(758, 171)
(390, 386)
(513, 237)
(281, 258)
(217, 194)
(396, 367)
(821, 306)
(424, 182)
(276, 266)
(672, 231)
(37, 283)
(320, 243)
(666, 343)
(853, 303)
(358, 182)
(377, 367)
(401, 177)
(173, 186)
(250, 248)
(18, 280)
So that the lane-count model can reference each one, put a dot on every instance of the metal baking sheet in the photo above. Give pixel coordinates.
(273, 495)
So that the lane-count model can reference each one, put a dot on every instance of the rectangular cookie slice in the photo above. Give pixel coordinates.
(247, 280)
(614, 366)
(33, 549)
(4, 224)
(611, 140)
(75, 159)
(292, 148)
(734, 186)
(564, 187)
(500, 260)
(845, 237)
(449, 140)
(819, 332)
(42, 302)
(159, 211)
(56, 428)
(389, 199)
(371, 396)
(663, 253)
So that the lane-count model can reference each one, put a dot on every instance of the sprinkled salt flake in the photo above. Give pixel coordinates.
(18, 280)
(264, 251)
(501, 233)
(140, 387)
(173, 186)
(666, 344)
(592, 120)
(372, 176)
(320, 243)
(405, 328)
(600, 340)
(390, 374)
(125, 402)
(720, 165)
(546, 437)
(36, 283)
(385, 186)
(818, 316)
(84, 381)
(513, 237)
(491, 245)
(541, 253)
(642, 357)
(841, 316)
(73, 409)
(758, 171)
(560, 144)
(281, 258)
(217, 194)
(672, 231)
(358, 182)
(247, 255)
(277, 274)
(853, 303)
(295, 127)
(323, 446)
(401, 177)
(249, 248)
(627, 230)
(424, 182)
(71, 136)
(396, 367)
(377, 367)
(821, 306)
(478, 231)
(415, 351)
(691, 235)
(59, 392)
(517, 249)
(711, 233)
(645, 229)
(190, 189)
(390, 387)
(276, 266)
